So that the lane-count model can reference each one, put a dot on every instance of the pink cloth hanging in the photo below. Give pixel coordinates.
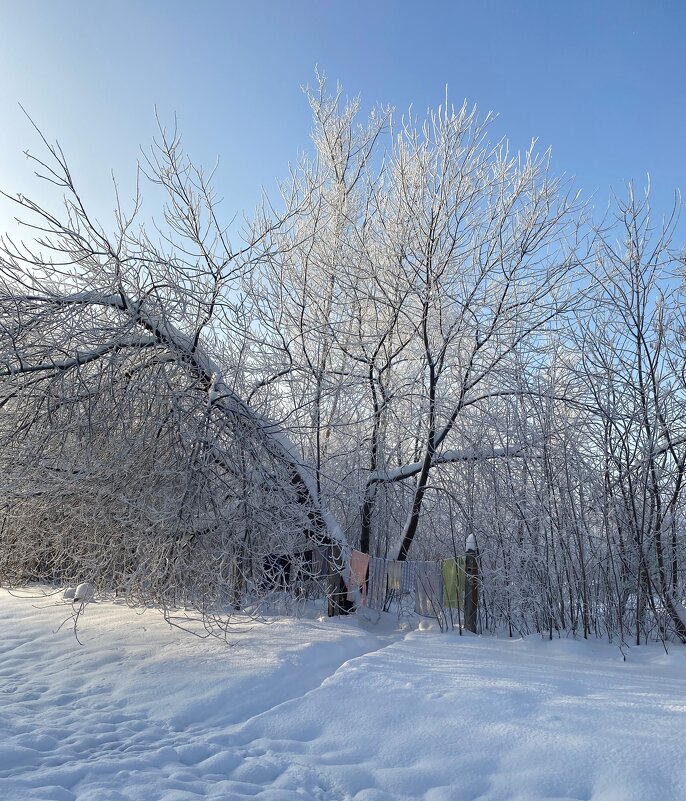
(358, 573)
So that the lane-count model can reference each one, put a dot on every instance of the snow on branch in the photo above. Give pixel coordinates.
(80, 359)
(220, 395)
(447, 457)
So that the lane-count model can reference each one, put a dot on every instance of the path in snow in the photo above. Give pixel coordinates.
(328, 711)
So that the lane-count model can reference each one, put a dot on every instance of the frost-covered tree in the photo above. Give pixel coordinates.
(421, 339)
(413, 269)
(127, 454)
(632, 355)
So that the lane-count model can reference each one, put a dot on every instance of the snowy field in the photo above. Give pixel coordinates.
(328, 710)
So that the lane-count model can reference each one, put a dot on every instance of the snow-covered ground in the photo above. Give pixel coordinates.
(328, 710)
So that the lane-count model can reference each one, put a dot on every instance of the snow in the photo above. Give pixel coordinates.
(328, 710)
(446, 457)
(83, 593)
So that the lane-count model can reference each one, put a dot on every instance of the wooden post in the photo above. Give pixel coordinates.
(471, 585)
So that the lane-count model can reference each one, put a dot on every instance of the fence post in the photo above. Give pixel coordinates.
(471, 585)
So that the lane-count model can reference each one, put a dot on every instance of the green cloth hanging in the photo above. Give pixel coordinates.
(453, 582)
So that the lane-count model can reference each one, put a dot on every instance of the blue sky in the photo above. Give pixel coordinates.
(603, 82)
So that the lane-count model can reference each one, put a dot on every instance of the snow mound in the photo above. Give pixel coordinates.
(327, 710)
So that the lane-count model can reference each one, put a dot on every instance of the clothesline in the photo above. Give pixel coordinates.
(434, 584)
(376, 582)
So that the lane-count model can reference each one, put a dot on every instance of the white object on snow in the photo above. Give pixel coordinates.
(69, 594)
(84, 593)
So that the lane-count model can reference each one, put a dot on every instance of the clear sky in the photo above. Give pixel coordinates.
(603, 82)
